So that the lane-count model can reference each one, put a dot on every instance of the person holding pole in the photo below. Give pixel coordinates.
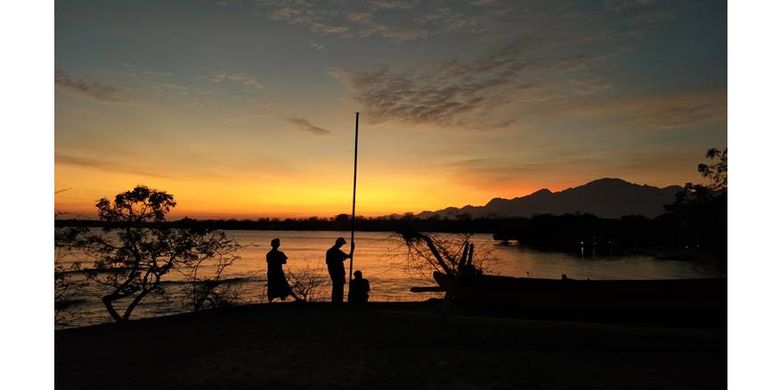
(354, 195)
(335, 258)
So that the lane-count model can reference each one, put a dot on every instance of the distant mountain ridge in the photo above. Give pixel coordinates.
(606, 198)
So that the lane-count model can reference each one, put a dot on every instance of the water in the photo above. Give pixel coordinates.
(382, 258)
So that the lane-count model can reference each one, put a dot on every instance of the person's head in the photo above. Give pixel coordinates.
(275, 243)
(358, 275)
(340, 242)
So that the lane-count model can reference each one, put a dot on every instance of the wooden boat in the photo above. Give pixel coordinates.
(668, 301)
(675, 302)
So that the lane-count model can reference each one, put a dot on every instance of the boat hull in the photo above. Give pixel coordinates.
(664, 301)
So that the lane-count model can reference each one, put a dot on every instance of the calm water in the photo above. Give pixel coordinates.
(382, 259)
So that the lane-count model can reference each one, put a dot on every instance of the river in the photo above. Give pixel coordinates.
(382, 258)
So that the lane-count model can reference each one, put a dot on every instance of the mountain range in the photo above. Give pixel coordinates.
(606, 198)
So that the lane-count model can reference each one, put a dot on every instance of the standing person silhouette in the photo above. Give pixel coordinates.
(334, 258)
(277, 282)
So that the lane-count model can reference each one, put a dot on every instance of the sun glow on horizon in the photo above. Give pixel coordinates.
(247, 110)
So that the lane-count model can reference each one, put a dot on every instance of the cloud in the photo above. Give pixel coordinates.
(90, 88)
(589, 85)
(622, 5)
(513, 176)
(224, 2)
(153, 87)
(403, 21)
(681, 111)
(653, 17)
(238, 78)
(68, 159)
(462, 93)
(682, 115)
(516, 176)
(317, 46)
(305, 125)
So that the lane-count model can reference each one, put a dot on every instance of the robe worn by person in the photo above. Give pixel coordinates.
(277, 282)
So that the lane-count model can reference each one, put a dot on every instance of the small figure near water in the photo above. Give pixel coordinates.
(358, 289)
(278, 287)
(334, 258)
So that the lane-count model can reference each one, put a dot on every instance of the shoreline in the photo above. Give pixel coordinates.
(382, 346)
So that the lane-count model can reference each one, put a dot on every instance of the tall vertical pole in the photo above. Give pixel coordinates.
(354, 190)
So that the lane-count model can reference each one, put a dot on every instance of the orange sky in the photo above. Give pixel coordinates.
(246, 110)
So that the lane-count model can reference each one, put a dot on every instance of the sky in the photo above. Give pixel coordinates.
(246, 109)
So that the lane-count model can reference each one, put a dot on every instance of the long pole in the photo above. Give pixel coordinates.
(354, 190)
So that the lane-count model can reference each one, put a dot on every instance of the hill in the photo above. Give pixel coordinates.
(606, 198)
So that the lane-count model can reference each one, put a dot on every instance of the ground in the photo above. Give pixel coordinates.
(383, 346)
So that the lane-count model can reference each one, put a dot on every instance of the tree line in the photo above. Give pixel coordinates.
(696, 220)
(136, 246)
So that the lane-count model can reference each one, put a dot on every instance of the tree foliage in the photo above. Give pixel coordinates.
(699, 210)
(132, 255)
(207, 288)
(700, 194)
(717, 170)
(306, 282)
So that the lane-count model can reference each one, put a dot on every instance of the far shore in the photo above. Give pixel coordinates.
(383, 346)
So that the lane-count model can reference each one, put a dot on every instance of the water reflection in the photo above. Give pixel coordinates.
(382, 259)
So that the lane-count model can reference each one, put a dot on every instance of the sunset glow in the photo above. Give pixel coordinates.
(461, 103)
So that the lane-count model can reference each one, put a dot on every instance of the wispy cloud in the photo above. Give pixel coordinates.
(622, 5)
(458, 92)
(106, 165)
(515, 176)
(589, 85)
(239, 78)
(403, 21)
(91, 88)
(685, 110)
(653, 17)
(682, 116)
(305, 125)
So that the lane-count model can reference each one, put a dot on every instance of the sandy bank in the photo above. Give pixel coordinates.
(383, 346)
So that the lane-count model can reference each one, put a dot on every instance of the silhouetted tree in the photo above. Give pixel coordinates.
(699, 210)
(696, 194)
(207, 289)
(306, 282)
(65, 290)
(716, 171)
(135, 249)
(65, 285)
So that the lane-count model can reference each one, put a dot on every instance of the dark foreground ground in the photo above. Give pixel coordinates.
(383, 346)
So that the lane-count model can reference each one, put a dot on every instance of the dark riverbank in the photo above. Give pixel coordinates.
(384, 346)
(578, 234)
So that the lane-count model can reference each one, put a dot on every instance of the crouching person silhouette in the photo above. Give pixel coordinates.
(358, 289)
